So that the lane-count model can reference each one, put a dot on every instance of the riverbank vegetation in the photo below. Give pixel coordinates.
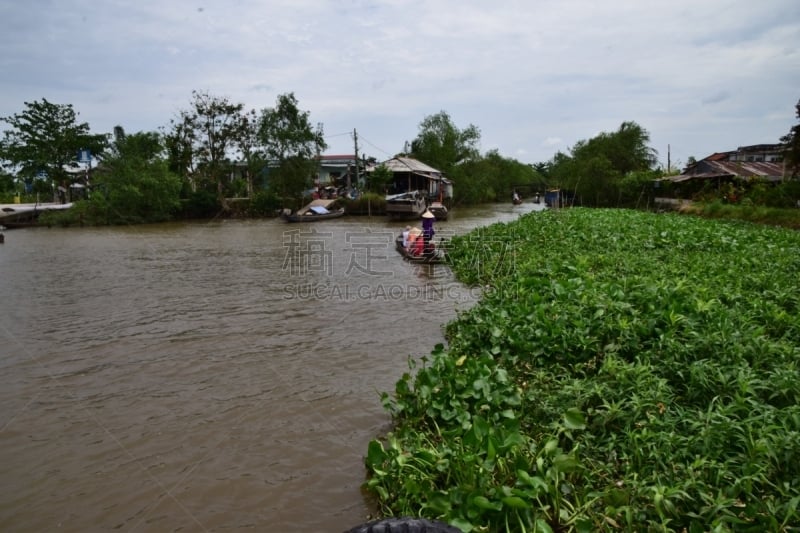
(623, 371)
(218, 159)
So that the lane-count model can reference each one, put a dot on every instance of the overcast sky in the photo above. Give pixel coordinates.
(535, 76)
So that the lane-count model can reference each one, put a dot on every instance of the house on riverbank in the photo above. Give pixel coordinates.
(414, 187)
(757, 163)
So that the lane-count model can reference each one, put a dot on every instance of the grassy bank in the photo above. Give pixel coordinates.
(624, 370)
(773, 216)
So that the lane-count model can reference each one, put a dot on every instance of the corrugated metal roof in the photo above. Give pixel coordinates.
(708, 169)
(408, 164)
(719, 156)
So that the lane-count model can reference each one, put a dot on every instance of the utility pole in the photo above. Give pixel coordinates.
(669, 168)
(355, 140)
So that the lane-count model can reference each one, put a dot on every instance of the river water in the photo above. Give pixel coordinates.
(207, 376)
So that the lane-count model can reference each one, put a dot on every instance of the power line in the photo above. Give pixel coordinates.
(363, 139)
(338, 134)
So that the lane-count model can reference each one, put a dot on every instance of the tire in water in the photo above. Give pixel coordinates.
(404, 525)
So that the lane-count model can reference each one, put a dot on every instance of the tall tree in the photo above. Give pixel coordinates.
(595, 168)
(791, 141)
(292, 145)
(442, 145)
(249, 149)
(45, 140)
(134, 183)
(204, 139)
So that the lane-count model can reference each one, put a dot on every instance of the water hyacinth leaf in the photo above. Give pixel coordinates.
(535, 482)
(551, 446)
(491, 449)
(501, 375)
(485, 503)
(439, 503)
(513, 439)
(574, 419)
(375, 454)
(382, 492)
(542, 526)
(464, 525)
(565, 463)
(515, 502)
(481, 427)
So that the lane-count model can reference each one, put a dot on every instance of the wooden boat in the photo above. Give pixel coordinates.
(312, 216)
(439, 210)
(405, 206)
(439, 255)
(18, 215)
(313, 212)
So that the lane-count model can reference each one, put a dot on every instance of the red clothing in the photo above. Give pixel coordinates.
(419, 246)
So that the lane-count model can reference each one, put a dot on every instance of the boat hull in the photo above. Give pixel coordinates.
(313, 217)
(438, 256)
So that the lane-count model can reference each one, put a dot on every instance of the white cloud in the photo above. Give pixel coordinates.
(535, 77)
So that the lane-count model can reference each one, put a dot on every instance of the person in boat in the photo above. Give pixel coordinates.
(415, 242)
(515, 197)
(405, 236)
(428, 219)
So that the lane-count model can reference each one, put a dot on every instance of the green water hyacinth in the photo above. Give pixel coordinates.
(623, 371)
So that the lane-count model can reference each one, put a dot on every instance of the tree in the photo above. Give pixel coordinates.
(204, 139)
(493, 177)
(595, 169)
(379, 179)
(134, 183)
(45, 140)
(791, 141)
(249, 149)
(291, 145)
(442, 145)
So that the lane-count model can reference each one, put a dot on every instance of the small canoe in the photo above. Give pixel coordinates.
(438, 255)
(439, 210)
(311, 216)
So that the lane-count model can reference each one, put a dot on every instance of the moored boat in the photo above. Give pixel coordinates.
(313, 216)
(439, 210)
(438, 255)
(405, 206)
(17, 215)
(314, 212)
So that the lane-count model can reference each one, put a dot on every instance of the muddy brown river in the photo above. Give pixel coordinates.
(215, 376)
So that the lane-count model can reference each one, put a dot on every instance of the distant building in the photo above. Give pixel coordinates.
(336, 169)
(758, 153)
(763, 161)
(413, 175)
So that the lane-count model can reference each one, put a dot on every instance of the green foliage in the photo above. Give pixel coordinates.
(624, 370)
(781, 195)
(291, 144)
(791, 140)
(265, 203)
(493, 178)
(599, 171)
(203, 139)
(442, 145)
(46, 137)
(200, 204)
(379, 179)
(134, 184)
(775, 216)
(369, 203)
